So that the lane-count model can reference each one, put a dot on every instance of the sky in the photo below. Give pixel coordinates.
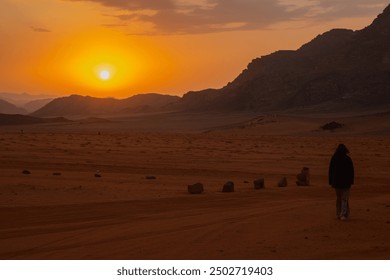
(119, 48)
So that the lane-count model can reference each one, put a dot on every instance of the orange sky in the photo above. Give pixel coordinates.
(121, 48)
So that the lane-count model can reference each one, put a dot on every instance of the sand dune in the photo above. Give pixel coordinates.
(123, 215)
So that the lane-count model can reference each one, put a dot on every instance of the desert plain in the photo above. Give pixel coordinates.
(117, 189)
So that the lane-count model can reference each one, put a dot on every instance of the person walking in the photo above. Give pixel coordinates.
(341, 178)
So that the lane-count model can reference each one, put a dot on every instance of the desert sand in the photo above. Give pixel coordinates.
(62, 211)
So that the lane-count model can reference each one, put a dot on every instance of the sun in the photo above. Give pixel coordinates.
(104, 75)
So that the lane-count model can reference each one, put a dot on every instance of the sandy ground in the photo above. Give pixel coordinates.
(124, 215)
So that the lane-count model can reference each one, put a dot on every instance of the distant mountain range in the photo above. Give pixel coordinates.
(76, 105)
(339, 71)
(8, 108)
(30, 102)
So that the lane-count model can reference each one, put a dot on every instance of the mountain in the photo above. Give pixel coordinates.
(35, 105)
(340, 70)
(21, 99)
(76, 105)
(8, 108)
(147, 103)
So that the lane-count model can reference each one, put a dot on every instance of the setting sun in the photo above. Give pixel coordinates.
(104, 67)
(105, 75)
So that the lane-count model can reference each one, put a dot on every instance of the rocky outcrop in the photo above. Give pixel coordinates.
(340, 70)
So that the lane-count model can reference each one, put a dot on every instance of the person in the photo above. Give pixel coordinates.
(341, 178)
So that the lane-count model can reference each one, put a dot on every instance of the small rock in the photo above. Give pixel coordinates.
(196, 188)
(57, 174)
(228, 187)
(282, 183)
(98, 175)
(332, 126)
(303, 178)
(150, 177)
(26, 172)
(258, 184)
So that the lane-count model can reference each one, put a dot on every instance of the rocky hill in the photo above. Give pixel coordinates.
(8, 108)
(76, 105)
(337, 71)
(35, 105)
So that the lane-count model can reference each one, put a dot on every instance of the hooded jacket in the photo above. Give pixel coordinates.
(341, 171)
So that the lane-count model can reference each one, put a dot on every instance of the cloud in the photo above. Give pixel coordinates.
(207, 16)
(39, 29)
(333, 9)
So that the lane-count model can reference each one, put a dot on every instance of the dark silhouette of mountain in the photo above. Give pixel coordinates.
(147, 103)
(16, 119)
(76, 105)
(338, 70)
(8, 108)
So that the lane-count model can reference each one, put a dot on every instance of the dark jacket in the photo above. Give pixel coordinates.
(341, 171)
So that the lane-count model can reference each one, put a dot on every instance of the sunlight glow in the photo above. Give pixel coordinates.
(101, 64)
(105, 75)
(105, 67)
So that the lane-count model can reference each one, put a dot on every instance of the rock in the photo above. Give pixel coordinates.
(282, 183)
(97, 174)
(303, 178)
(258, 184)
(26, 172)
(196, 188)
(332, 126)
(228, 187)
(150, 177)
(57, 174)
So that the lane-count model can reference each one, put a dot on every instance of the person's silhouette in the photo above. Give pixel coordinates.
(341, 178)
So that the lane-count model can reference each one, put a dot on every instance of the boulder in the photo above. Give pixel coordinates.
(196, 188)
(258, 184)
(332, 126)
(303, 178)
(228, 187)
(282, 183)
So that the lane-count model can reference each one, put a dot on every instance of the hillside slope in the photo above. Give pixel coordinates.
(337, 71)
